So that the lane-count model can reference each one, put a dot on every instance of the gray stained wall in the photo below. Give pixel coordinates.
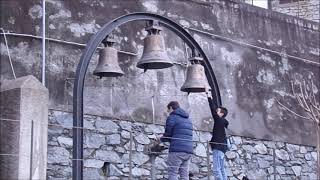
(250, 79)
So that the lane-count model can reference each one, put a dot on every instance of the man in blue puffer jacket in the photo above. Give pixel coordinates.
(179, 133)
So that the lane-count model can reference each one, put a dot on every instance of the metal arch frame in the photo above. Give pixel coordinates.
(77, 160)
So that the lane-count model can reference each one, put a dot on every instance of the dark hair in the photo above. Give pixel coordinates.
(245, 178)
(224, 111)
(173, 104)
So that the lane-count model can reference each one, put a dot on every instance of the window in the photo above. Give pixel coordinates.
(260, 3)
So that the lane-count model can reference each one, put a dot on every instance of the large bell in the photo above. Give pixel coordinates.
(196, 80)
(154, 55)
(108, 65)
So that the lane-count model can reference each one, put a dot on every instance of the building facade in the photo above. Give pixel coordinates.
(306, 9)
(255, 54)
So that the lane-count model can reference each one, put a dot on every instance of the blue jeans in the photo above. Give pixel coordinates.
(178, 163)
(218, 165)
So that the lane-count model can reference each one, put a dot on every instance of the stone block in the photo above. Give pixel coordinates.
(23, 129)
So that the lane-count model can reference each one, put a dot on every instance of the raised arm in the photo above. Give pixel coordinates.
(213, 106)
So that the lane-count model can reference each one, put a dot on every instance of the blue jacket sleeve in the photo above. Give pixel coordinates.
(168, 131)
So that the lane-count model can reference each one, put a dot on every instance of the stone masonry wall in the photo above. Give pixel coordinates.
(106, 152)
(250, 79)
(307, 9)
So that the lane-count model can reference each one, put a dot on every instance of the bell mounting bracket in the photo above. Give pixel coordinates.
(153, 27)
(109, 41)
(196, 60)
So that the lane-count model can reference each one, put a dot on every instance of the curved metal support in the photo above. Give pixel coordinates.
(77, 160)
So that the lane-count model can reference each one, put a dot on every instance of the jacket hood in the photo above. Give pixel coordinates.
(180, 112)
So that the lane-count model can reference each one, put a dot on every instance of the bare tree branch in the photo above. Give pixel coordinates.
(313, 100)
(296, 95)
(285, 107)
(314, 116)
(307, 100)
(300, 102)
(318, 112)
(300, 97)
(306, 94)
(316, 104)
(303, 97)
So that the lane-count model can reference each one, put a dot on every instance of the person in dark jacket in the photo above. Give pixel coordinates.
(218, 141)
(178, 132)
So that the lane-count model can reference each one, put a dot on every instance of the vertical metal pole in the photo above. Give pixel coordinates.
(65, 91)
(77, 161)
(31, 150)
(298, 9)
(269, 5)
(208, 161)
(152, 102)
(274, 164)
(318, 149)
(43, 43)
(186, 51)
(153, 168)
(9, 56)
(111, 97)
(130, 156)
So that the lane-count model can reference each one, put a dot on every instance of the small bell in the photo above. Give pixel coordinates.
(108, 65)
(154, 55)
(196, 80)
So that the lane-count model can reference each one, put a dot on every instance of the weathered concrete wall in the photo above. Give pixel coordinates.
(106, 153)
(249, 79)
(23, 129)
(304, 9)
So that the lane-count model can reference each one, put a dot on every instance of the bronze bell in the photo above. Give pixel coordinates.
(196, 80)
(154, 55)
(108, 65)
